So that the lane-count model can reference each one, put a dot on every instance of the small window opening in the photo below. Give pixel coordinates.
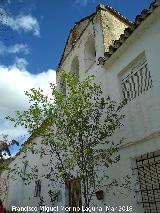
(75, 66)
(63, 86)
(89, 52)
(37, 191)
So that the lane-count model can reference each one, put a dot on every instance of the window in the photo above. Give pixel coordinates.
(75, 66)
(136, 80)
(63, 86)
(89, 52)
(37, 191)
(148, 172)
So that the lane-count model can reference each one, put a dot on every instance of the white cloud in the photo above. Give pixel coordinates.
(20, 63)
(14, 80)
(27, 23)
(84, 2)
(14, 49)
(19, 48)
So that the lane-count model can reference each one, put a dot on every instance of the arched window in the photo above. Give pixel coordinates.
(89, 52)
(75, 66)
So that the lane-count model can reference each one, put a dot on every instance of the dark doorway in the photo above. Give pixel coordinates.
(75, 199)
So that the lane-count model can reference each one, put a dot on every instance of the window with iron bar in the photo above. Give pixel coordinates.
(148, 172)
(136, 80)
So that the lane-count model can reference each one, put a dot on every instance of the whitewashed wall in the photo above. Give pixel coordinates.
(142, 115)
(142, 121)
(20, 194)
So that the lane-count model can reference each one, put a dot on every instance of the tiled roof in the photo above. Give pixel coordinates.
(128, 31)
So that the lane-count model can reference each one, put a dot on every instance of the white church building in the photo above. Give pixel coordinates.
(124, 56)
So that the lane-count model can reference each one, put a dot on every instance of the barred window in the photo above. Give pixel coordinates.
(148, 173)
(136, 80)
(37, 191)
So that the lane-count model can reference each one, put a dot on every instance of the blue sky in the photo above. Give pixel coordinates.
(32, 38)
(55, 18)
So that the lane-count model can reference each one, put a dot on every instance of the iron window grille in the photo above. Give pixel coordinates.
(148, 172)
(136, 81)
(37, 191)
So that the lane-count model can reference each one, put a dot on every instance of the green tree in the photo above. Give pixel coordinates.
(76, 129)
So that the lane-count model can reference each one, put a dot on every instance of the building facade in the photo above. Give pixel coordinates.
(124, 57)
